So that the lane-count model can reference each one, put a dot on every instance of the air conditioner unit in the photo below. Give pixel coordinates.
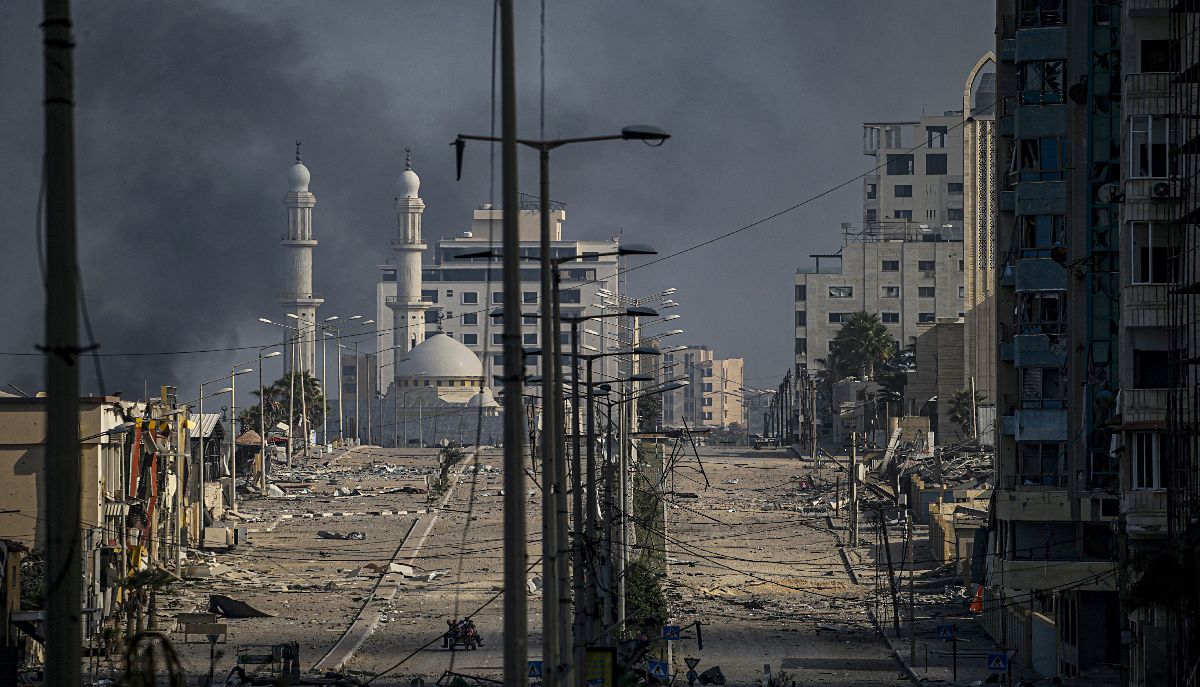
(1166, 189)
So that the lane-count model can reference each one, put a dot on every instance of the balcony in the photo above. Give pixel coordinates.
(1038, 350)
(1040, 274)
(1040, 425)
(1148, 85)
(1043, 43)
(1145, 511)
(1082, 575)
(1041, 198)
(1144, 407)
(1144, 305)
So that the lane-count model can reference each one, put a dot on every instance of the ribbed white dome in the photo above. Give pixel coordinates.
(440, 356)
(298, 178)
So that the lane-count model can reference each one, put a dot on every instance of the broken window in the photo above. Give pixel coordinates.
(1040, 313)
(1040, 464)
(1148, 146)
(935, 136)
(1037, 541)
(1041, 82)
(841, 292)
(1042, 389)
(1035, 13)
(1040, 233)
(891, 291)
(1041, 159)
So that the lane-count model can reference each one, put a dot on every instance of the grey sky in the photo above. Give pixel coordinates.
(187, 113)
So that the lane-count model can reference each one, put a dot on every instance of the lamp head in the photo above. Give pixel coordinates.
(292, 315)
(641, 311)
(636, 249)
(651, 135)
(273, 354)
(640, 377)
(265, 320)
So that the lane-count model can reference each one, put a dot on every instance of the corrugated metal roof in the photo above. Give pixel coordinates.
(206, 427)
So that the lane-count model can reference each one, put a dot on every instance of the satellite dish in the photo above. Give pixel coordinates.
(1109, 193)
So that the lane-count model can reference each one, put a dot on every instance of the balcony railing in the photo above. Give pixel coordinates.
(1147, 84)
(1036, 480)
(1144, 405)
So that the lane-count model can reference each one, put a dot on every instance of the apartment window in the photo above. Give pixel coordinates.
(954, 214)
(1147, 146)
(1145, 462)
(903, 190)
(871, 215)
(470, 318)
(1042, 388)
(498, 360)
(429, 295)
(903, 214)
(801, 318)
(1040, 313)
(926, 292)
(1041, 82)
(962, 292)
(935, 163)
(530, 339)
(899, 165)
(708, 387)
(498, 297)
(529, 296)
(1156, 56)
(962, 265)
(708, 401)
(801, 292)
(890, 291)
(1034, 13)
(349, 370)
(497, 320)
(590, 256)
(954, 188)
(433, 316)
(497, 339)
(1154, 257)
(529, 319)
(470, 297)
(890, 317)
(1040, 159)
(1040, 233)
(926, 317)
(927, 265)
(838, 317)
(1151, 365)
(569, 296)
(841, 292)
(801, 346)
(707, 416)
(872, 191)
(935, 137)
(891, 266)
(1040, 464)
(470, 339)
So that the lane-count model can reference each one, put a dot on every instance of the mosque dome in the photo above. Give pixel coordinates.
(298, 178)
(409, 184)
(440, 356)
(483, 398)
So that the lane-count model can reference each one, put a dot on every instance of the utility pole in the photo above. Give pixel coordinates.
(551, 458)
(887, 550)
(852, 482)
(812, 418)
(912, 606)
(61, 476)
(974, 412)
(515, 621)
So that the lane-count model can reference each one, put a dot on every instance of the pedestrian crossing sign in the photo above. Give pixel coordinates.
(657, 669)
(671, 633)
(535, 669)
(945, 632)
(997, 663)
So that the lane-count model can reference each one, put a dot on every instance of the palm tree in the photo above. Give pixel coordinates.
(962, 410)
(862, 343)
(276, 401)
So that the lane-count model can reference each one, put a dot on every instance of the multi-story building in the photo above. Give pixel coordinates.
(979, 234)
(1051, 593)
(714, 395)
(905, 261)
(1182, 447)
(910, 274)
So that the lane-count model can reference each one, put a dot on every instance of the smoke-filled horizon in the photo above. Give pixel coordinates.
(187, 114)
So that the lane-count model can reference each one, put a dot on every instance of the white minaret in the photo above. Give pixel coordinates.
(408, 311)
(298, 243)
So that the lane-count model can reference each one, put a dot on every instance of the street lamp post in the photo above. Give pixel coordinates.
(551, 463)
(228, 389)
(233, 375)
(262, 415)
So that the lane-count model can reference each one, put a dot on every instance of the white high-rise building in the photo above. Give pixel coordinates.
(299, 242)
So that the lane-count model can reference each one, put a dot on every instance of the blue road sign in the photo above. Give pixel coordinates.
(671, 633)
(535, 668)
(998, 663)
(657, 669)
(945, 632)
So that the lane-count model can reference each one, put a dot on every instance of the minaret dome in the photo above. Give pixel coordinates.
(409, 184)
